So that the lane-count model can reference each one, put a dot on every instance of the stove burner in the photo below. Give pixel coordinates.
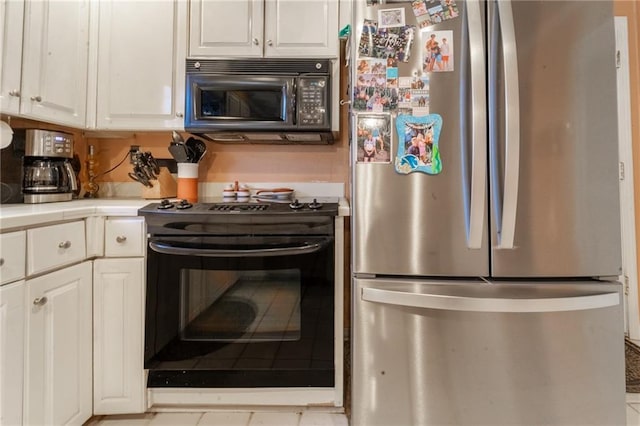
(315, 205)
(296, 205)
(165, 204)
(239, 207)
(184, 204)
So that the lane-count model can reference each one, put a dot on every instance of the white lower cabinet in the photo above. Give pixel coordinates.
(118, 336)
(11, 352)
(58, 355)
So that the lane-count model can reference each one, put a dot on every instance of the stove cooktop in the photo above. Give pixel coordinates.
(219, 205)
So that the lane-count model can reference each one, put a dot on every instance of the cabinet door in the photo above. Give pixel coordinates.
(226, 28)
(301, 28)
(11, 17)
(58, 350)
(141, 64)
(118, 299)
(55, 61)
(11, 352)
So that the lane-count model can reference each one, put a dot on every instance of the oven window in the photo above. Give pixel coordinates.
(263, 104)
(240, 306)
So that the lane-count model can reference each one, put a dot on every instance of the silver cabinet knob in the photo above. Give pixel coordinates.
(1, 261)
(269, 43)
(36, 98)
(179, 114)
(40, 301)
(121, 238)
(64, 244)
(15, 93)
(256, 41)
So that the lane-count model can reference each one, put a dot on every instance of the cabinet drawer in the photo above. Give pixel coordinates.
(52, 246)
(124, 237)
(12, 256)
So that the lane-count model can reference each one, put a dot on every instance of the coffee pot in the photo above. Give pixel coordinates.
(47, 171)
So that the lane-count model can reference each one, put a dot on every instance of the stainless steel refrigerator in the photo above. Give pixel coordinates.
(484, 284)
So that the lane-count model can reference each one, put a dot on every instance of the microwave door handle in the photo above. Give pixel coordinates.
(282, 251)
(294, 107)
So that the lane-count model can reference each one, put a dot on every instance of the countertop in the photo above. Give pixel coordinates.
(17, 216)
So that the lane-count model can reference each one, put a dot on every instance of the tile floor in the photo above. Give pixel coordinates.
(304, 418)
(224, 418)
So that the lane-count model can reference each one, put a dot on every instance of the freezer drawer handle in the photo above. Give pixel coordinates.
(475, 304)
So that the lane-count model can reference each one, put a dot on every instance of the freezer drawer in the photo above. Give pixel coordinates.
(467, 352)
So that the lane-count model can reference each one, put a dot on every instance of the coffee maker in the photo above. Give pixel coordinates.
(47, 173)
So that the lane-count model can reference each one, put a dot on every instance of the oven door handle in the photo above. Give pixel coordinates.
(311, 247)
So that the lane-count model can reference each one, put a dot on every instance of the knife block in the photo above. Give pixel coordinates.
(163, 187)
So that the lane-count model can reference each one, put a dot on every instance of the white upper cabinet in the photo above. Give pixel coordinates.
(141, 53)
(299, 28)
(226, 28)
(11, 17)
(55, 61)
(269, 28)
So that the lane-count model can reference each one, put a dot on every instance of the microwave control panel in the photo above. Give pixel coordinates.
(312, 101)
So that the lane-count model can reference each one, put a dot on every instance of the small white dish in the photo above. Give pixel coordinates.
(229, 193)
(243, 194)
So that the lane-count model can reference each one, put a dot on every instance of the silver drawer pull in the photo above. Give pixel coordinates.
(121, 239)
(64, 244)
(40, 301)
(1, 261)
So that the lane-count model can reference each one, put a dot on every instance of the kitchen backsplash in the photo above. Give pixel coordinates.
(221, 164)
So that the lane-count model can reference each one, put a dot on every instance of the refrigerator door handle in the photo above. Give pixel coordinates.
(476, 304)
(507, 227)
(479, 129)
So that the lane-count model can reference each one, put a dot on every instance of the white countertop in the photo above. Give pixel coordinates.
(17, 216)
(23, 215)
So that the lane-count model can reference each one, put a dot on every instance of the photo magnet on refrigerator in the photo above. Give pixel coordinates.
(418, 149)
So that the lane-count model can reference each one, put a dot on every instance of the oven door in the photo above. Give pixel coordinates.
(239, 102)
(238, 312)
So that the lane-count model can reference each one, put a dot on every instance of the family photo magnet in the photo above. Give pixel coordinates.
(418, 149)
(373, 138)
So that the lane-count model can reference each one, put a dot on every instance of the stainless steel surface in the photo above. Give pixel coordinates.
(46, 198)
(554, 176)
(465, 350)
(48, 143)
(452, 365)
(417, 224)
(568, 221)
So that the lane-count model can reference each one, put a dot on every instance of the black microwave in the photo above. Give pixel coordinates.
(259, 100)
